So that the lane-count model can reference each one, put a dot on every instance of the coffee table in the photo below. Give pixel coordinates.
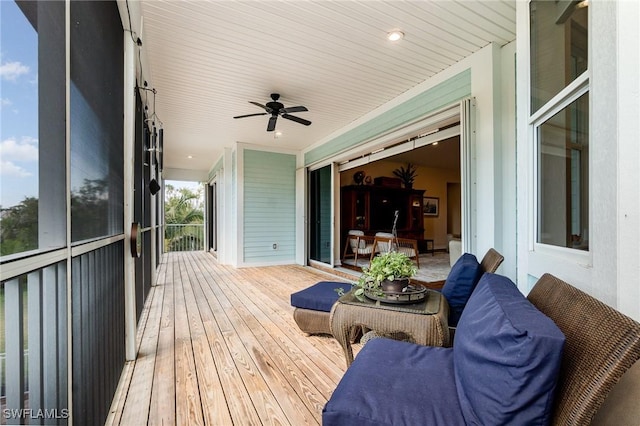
(424, 323)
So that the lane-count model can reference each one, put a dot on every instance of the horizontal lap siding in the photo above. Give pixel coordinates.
(269, 206)
(431, 100)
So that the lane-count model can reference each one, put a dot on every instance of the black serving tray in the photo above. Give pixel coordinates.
(413, 294)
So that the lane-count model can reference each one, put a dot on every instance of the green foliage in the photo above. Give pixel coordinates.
(19, 224)
(89, 207)
(183, 206)
(387, 266)
(407, 175)
(19, 227)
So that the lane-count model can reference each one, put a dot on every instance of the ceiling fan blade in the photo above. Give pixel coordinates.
(296, 119)
(294, 109)
(272, 123)
(266, 108)
(250, 115)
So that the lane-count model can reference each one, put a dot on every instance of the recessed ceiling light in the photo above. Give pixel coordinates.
(395, 35)
(189, 156)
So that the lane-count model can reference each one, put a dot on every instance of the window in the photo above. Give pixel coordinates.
(19, 132)
(97, 198)
(32, 133)
(563, 164)
(558, 47)
(560, 117)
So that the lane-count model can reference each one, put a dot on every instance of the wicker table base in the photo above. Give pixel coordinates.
(423, 323)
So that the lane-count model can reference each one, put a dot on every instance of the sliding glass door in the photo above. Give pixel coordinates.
(213, 217)
(320, 214)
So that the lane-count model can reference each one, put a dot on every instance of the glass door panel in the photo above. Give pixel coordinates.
(320, 215)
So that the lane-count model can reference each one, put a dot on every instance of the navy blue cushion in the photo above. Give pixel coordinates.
(460, 283)
(396, 383)
(506, 357)
(320, 296)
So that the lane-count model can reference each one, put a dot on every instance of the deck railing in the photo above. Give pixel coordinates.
(184, 237)
(33, 347)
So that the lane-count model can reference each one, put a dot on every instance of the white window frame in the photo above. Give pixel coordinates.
(560, 101)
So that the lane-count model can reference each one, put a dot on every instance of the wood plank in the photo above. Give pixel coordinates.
(280, 312)
(310, 383)
(139, 394)
(237, 396)
(288, 384)
(162, 410)
(188, 404)
(120, 395)
(222, 358)
(265, 404)
(270, 280)
(214, 404)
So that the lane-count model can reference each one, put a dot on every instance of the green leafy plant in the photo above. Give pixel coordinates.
(388, 266)
(407, 175)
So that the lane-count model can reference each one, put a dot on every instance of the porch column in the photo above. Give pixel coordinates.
(129, 143)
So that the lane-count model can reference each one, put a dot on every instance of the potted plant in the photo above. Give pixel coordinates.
(407, 175)
(388, 272)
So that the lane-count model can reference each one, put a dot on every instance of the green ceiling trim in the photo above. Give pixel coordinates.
(454, 89)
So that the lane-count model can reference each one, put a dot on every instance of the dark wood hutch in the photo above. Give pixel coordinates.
(371, 209)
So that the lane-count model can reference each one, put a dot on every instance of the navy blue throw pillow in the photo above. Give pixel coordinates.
(506, 356)
(460, 283)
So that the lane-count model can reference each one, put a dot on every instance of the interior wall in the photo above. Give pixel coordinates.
(433, 180)
(493, 208)
(454, 208)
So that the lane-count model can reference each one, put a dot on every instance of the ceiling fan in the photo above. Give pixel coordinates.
(275, 108)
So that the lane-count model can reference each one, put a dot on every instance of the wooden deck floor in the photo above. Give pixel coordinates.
(219, 346)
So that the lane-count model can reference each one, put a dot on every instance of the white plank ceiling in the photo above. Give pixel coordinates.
(207, 59)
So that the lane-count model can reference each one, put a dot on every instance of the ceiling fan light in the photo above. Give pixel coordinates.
(395, 35)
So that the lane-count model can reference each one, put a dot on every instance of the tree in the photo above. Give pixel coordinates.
(183, 207)
(90, 210)
(19, 227)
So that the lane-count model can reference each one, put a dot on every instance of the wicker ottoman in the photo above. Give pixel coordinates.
(313, 304)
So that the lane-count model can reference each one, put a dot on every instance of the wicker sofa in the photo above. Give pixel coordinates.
(550, 358)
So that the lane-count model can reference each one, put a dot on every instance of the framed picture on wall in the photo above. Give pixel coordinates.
(431, 206)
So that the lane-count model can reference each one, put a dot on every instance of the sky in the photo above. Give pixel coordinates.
(18, 106)
(194, 186)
